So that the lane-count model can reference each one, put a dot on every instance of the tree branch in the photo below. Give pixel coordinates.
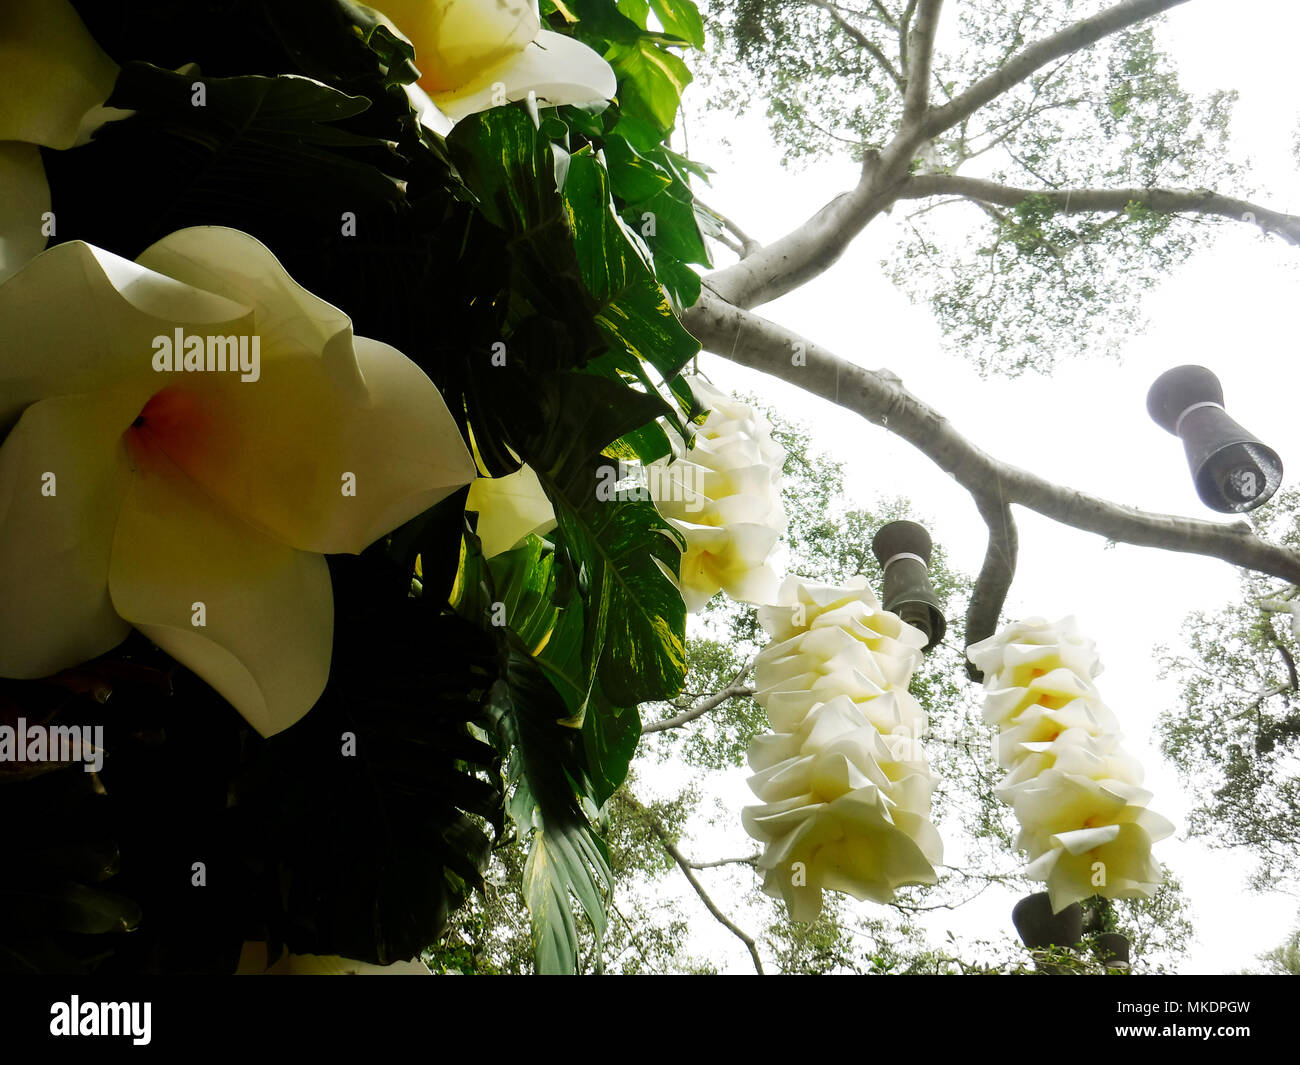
(1292, 678)
(1078, 201)
(733, 690)
(883, 14)
(750, 860)
(862, 41)
(995, 576)
(879, 396)
(653, 823)
(811, 248)
(903, 25)
(748, 244)
(1073, 38)
(920, 53)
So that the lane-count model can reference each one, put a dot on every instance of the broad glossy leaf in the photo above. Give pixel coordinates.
(680, 18)
(566, 855)
(651, 81)
(633, 176)
(629, 551)
(634, 313)
(609, 737)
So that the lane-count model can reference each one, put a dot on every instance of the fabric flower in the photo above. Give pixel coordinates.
(845, 784)
(252, 962)
(510, 508)
(724, 496)
(54, 80)
(1084, 819)
(477, 54)
(195, 502)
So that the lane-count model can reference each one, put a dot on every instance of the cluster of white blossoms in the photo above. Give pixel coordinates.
(1084, 819)
(844, 781)
(724, 496)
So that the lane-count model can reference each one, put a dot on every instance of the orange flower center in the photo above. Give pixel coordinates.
(170, 426)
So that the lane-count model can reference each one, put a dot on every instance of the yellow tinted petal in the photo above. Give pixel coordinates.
(52, 73)
(455, 39)
(64, 472)
(23, 206)
(268, 610)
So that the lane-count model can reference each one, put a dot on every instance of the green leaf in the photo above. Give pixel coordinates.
(577, 415)
(651, 81)
(599, 18)
(263, 154)
(566, 855)
(633, 616)
(563, 662)
(643, 135)
(676, 230)
(633, 177)
(609, 737)
(510, 167)
(634, 314)
(630, 552)
(524, 582)
(680, 18)
(91, 911)
(561, 861)
(636, 10)
(681, 282)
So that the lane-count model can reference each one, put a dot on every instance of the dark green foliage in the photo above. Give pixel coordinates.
(507, 237)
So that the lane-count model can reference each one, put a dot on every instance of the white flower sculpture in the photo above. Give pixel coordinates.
(477, 54)
(724, 496)
(194, 501)
(54, 80)
(1083, 816)
(845, 784)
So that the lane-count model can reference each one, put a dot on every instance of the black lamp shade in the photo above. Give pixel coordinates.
(903, 549)
(1112, 950)
(1040, 928)
(1232, 470)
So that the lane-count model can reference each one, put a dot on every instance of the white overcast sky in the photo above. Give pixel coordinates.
(1231, 308)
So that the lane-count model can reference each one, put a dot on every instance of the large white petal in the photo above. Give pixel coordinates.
(308, 462)
(328, 410)
(78, 319)
(510, 508)
(53, 76)
(23, 206)
(55, 549)
(432, 118)
(238, 266)
(269, 609)
(557, 68)
(455, 39)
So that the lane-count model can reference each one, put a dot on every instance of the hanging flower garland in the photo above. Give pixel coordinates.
(845, 784)
(725, 498)
(1084, 821)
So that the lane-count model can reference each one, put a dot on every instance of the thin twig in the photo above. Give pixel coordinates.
(732, 691)
(653, 824)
